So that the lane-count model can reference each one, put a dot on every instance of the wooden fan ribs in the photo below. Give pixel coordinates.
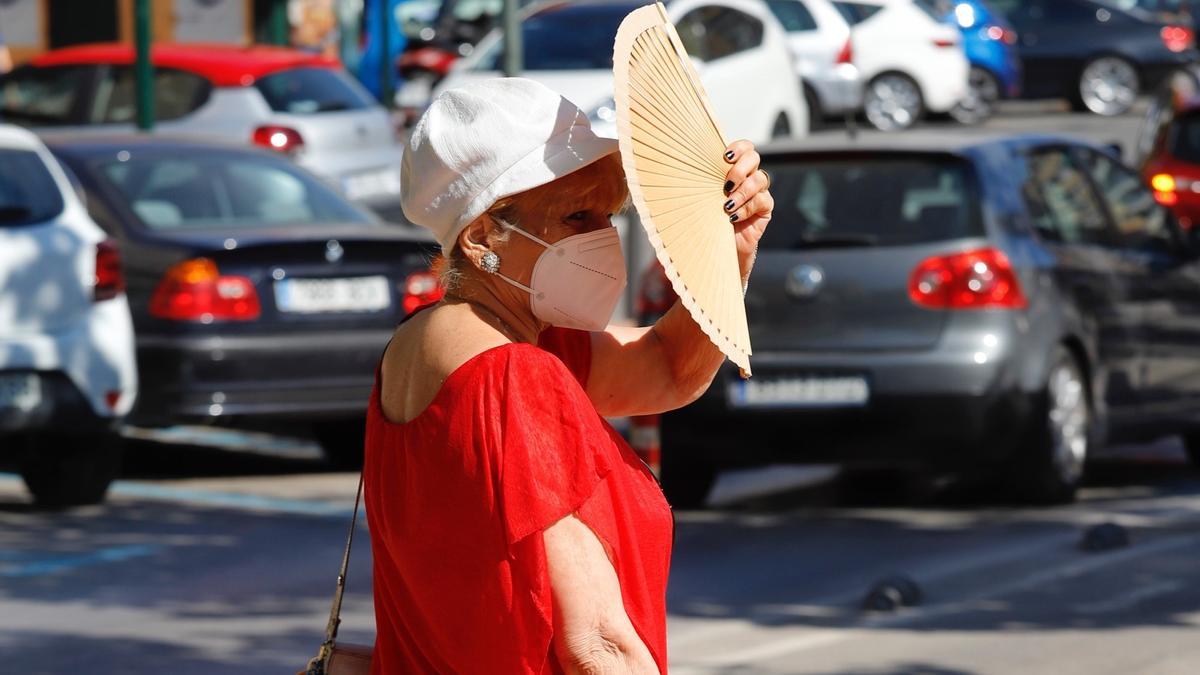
(672, 149)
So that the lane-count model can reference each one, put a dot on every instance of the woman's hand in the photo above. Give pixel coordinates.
(750, 203)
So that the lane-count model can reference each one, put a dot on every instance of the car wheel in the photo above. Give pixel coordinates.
(983, 92)
(892, 102)
(686, 475)
(63, 470)
(1108, 85)
(342, 442)
(782, 128)
(816, 118)
(1049, 465)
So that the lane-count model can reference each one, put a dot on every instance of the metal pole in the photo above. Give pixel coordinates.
(514, 54)
(386, 89)
(278, 23)
(143, 69)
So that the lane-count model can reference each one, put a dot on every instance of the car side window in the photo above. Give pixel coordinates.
(711, 33)
(1141, 223)
(794, 16)
(176, 94)
(44, 96)
(1061, 200)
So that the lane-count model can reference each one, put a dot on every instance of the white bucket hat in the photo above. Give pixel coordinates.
(488, 140)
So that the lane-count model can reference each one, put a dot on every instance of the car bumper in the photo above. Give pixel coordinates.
(943, 80)
(59, 405)
(838, 90)
(932, 408)
(313, 375)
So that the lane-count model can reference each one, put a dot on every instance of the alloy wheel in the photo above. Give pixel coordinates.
(1068, 422)
(982, 93)
(1108, 86)
(893, 102)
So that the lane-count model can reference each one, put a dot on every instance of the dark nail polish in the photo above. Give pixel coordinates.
(729, 205)
(733, 218)
(728, 186)
(729, 155)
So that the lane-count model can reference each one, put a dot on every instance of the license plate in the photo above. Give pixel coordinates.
(384, 181)
(20, 391)
(314, 296)
(799, 391)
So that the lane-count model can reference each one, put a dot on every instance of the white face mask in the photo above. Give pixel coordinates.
(578, 281)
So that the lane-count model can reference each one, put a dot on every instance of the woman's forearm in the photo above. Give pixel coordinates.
(693, 358)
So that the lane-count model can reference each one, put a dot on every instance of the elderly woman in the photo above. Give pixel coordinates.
(514, 531)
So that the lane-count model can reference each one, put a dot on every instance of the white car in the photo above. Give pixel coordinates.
(738, 46)
(819, 38)
(911, 62)
(67, 365)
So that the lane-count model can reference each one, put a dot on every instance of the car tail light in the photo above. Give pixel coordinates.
(1001, 34)
(978, 279)
(1164, 186)
(194, 290)
(655, 296)
(283, 139)
(421, 288)
(1177, 38)
(945, 42)
(110, 280)
(846, 55)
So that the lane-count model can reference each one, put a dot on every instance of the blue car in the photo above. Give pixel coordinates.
(991, 46)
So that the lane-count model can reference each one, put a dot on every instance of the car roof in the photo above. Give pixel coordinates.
(87, 145)
(225, 65)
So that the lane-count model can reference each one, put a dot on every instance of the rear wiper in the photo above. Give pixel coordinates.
(836, 241)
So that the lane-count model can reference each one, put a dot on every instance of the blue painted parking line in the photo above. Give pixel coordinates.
(71, 561)
(138, 490)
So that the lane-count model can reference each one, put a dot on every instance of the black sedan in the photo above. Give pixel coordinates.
(258, 292)
(1096, 55)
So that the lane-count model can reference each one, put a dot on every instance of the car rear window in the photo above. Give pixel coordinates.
(28, 193)
(234, 191)
(44, 96)
(858, 201)
(855, 13)
(1183, 138)
(303, 91)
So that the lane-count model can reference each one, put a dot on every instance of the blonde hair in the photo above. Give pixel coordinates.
(599, 186)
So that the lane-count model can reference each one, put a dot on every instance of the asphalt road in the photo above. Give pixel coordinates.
(210, 560)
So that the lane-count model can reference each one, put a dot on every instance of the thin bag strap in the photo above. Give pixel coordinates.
(335, 612)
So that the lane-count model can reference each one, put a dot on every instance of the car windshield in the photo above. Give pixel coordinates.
(857, 201)
(565, 37)
(43, 96)
(197, 190)
(1183, 138)
(301, 91)
(28, 193)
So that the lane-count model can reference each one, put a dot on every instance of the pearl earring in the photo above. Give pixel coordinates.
(490, 262)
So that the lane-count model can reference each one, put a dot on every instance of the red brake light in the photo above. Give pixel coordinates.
(421, 288)
(110, 280)
(283, 139)
(945, 42)
(1177, 38)
(1164, 187)
(1001, 34)
(846, 55)
(194, 290)
(978, 279)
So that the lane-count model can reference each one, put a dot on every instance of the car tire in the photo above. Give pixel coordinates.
(893, 102)
(342, 441)
(1049, 463)
(980, 104)
(686, 474)
(62, 470)
(1107, 85)
(782, 128)
(816, 118)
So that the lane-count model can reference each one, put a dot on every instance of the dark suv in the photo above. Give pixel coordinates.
(1003, 305)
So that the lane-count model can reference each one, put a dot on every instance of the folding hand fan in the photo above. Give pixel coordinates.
(672, 148)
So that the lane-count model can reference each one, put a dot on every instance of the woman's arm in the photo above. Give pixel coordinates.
(638, 371)
(592, 632)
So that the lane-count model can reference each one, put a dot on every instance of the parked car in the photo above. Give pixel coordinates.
(991, 47)
(1174, 11)
(910, 61)
(1000, 307)
(298, 104)
(1172, 166)
(1093, 54)
(67, 369)
(258, 292)
(738, 44)
(819, 38)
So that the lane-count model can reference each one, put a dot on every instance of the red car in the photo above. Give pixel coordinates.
(1172, 166)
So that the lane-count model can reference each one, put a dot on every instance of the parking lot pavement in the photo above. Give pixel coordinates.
(227, 562)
